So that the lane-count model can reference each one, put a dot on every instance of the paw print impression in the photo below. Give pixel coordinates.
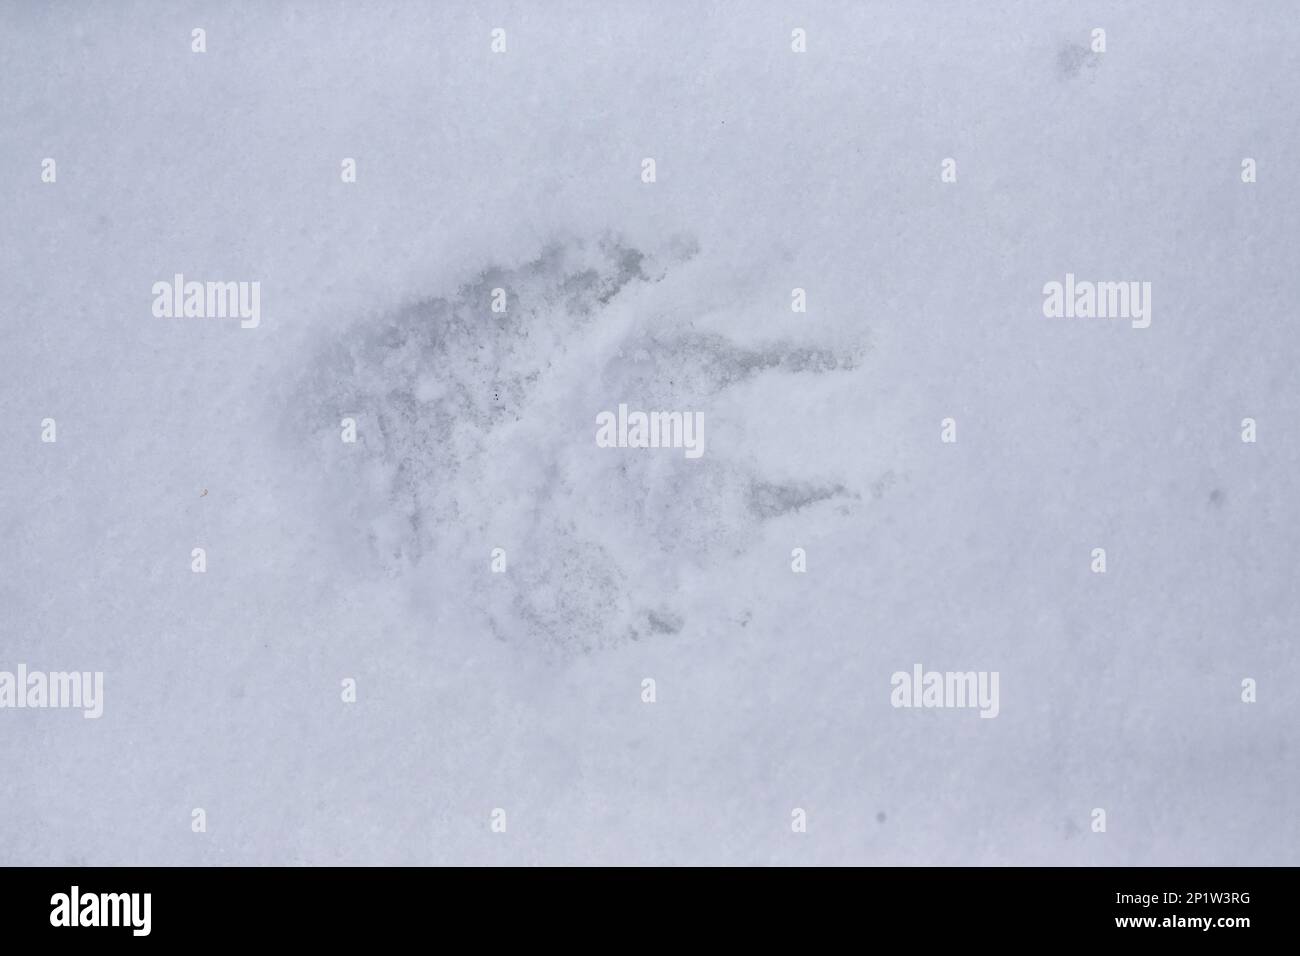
(477, 429)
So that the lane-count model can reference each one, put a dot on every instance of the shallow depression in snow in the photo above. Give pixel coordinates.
(475, 430)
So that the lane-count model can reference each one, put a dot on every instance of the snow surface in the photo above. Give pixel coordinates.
(476, 430)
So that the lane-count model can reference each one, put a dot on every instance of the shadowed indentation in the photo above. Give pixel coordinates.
(473, 431)
(1073, 60)
(769, 500)
(664, 622)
